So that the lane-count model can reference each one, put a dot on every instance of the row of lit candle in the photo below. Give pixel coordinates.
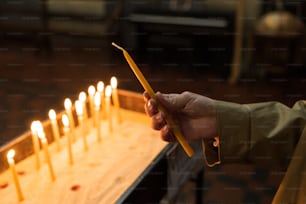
(99, 101)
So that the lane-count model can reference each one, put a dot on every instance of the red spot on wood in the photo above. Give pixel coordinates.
(75, 187)
(3, 185)
(21, 173)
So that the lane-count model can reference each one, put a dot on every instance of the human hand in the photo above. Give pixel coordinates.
(195, 115)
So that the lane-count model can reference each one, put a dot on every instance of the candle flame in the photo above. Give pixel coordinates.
(79, 107)
(97, 99)
(41, 134)
(10, 154)
(34, 126)
(65, 120)
(91, 90)
(40, 130)
(67, 103)
(82, 96)
(113, 82)
(108, 91)
(52, 114)
(100, 86)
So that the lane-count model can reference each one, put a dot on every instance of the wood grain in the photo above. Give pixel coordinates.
(100, 175)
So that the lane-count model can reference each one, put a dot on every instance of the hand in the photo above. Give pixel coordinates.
(194, 114)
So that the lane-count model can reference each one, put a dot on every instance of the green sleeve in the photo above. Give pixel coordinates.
(262, 133)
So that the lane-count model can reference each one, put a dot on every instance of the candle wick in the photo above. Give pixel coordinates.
(117, 46)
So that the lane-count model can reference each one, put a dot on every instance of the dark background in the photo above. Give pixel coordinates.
(48, 54)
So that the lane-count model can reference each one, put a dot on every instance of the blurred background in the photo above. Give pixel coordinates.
(234, 50)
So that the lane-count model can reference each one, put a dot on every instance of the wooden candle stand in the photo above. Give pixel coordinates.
(131, 164)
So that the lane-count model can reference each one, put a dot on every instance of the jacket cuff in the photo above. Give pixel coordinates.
(233, 129)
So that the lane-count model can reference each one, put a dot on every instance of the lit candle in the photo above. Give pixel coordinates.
(65, 121)
(10, 159)
(108, 93)
(100, 89)
(82, 99)
(54, 126)
(35, 143)
(97, 101)
(91, 93)
(115, 97)
(79, 111)
(44, 143)
(68, 108)
(178, 134)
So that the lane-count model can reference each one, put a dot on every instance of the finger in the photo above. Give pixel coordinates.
(158, 121)
(151, 107)
(146, 96)
(167, 134)
(174, 102)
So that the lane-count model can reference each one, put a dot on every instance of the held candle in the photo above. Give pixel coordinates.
(180, 138)
(10, 159)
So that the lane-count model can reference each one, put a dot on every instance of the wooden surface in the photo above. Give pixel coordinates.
(100, 175)
(23, 143)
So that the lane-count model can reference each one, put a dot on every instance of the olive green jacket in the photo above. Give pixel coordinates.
(269, 134)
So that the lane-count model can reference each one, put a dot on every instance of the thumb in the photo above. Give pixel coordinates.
(172, 102)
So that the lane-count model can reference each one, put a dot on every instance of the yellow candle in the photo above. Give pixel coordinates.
(44, 143)
(35, 143)
(79, 111)
(108, 93)
(65, 121)
(100, 89)
(115, 97)
(82, 99)
(10, 159)
(91, 93)
(68, 108)
(54, 126)
(97, 101)
(180, 138)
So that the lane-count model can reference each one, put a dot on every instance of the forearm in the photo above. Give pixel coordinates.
(264, 133)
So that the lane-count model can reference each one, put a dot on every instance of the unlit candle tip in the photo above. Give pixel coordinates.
(117, 46)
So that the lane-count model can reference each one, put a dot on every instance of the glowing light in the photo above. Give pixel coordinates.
(100, 86)
(108, 91)
(97, 99)
(91, 90)
(79, 107)
(40, 130)
(82, 96)
(10, 154)
(34, 127)
(65, 120)
(113, 82)
(52, 114)
(67, 103)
